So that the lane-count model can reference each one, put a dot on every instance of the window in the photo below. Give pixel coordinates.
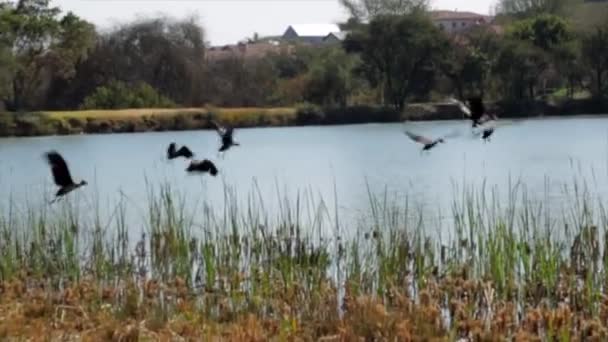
(463, 24)
(441, 27)
(454, 24)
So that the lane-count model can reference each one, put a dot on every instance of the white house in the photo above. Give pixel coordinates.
(309, 33)
(454, 21)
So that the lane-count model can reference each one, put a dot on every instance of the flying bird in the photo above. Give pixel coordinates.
(476, 110)
(61, 175)
(226, 136)
(427, 142)
(486, 133)
(202, 166)
(173, 153)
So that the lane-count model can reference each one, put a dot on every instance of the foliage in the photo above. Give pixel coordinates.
(399, 53)
(530, 8)
(393, 54)
(42, 45)
(519, 67)
(329, 78)
(119, 95)
(595, 52)
(513, 268)
(365, 10)
(467, 67)
(546, 31)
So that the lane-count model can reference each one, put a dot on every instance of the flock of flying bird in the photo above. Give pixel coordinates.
(476, 111)
(63, 179)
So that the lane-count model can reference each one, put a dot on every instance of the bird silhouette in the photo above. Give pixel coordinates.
(427, 142)
(61, 175)
(184, 151)
(226, 136)
(476, 110)
(202, 166)
(486, 133)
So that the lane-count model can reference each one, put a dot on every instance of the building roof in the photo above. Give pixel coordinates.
(314, 30)
(339, 35)
(455, 15)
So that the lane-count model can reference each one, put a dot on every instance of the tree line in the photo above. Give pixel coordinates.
(392, 55)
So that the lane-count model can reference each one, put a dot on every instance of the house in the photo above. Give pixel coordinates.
(309, 33)
(454, 21)
(335, 37)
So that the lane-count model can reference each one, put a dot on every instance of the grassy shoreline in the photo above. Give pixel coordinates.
(146, 120)
(508, 272)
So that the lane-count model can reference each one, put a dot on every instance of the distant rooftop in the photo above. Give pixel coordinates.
(456, 15)
(314, 30)
(340, 35)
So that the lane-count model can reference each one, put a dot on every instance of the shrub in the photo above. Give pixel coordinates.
(119, 95)
(309, 114)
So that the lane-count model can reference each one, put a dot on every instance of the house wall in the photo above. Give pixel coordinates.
(455, 25)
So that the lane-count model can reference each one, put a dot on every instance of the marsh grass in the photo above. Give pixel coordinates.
(510, 268)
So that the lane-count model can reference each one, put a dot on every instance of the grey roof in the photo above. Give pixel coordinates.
(339, 35)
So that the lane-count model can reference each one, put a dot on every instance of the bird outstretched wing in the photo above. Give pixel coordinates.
(59, 168)
(418, 138)
(220, 129)
(185, 151)
(228, 131)
(171, 150)
(210, 166)
(466, 110)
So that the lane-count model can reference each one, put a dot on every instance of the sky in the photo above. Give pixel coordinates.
(228, 21)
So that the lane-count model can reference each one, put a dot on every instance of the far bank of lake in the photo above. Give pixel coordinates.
(43, 123)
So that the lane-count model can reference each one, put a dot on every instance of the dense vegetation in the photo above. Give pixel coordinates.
(512, 269)
(393, 55)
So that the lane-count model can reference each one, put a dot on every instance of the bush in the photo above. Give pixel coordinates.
(119, 95)
(361, 114)
(309, 114)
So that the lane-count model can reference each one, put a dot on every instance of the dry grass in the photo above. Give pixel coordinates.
(509, 273)
(229, 114)
(120, 113)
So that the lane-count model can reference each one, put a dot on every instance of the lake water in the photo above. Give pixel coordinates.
(322, 162)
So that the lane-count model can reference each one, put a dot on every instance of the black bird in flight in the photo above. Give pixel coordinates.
(184, 151)
(487, 133)
(476, 111)
(61, 175)
(202, 166)
(226, 136)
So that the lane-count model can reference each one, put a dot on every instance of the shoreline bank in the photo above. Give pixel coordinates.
(46, 123)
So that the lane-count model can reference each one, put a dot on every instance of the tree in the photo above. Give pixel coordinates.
(467, 67)
(546, 31)
(567, 59)
(365, 10)
(41, 45)
(595, 52)
(165, 53)
(399, 54)
(519, 67)
(119, 95)
(329, 78)
(530, 8)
